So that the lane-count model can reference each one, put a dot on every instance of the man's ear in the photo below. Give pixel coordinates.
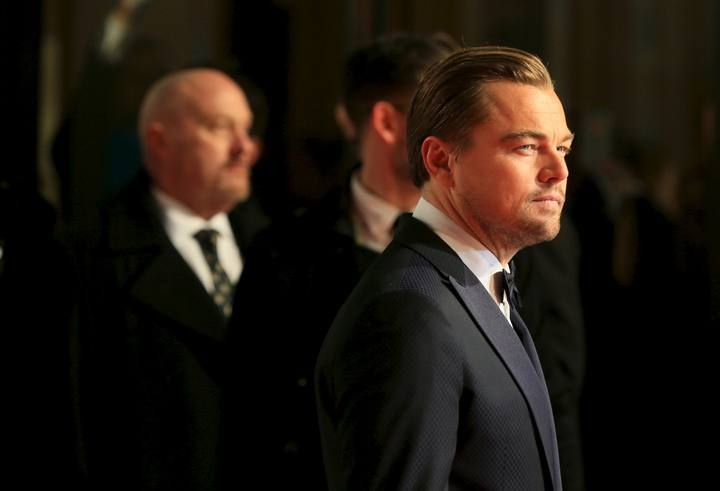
(386, 121)
(438, 160)
(155, 139)
(155, 147)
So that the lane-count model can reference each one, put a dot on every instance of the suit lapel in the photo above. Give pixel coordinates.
(168, 286)
(518, 361)
(497, 330)
(547, 432)
(153, 272)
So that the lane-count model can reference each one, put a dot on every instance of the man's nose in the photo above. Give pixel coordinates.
(554, 167)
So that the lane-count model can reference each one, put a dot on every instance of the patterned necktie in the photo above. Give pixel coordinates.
(222, 294)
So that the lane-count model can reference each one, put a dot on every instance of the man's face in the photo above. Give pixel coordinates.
(509, 180)
(211, 152)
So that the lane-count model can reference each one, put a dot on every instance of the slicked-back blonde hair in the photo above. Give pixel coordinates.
(452, 98)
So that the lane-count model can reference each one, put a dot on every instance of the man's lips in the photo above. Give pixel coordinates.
(550, 197)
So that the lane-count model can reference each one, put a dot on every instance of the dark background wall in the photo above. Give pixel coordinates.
(646, 68)
(20, 36)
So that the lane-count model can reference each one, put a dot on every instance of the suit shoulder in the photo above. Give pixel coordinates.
(400, 268)
(400, 291)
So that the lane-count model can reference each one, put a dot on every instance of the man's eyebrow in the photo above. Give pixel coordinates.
(517, 135)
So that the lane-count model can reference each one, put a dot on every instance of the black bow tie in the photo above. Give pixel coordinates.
(511, 290)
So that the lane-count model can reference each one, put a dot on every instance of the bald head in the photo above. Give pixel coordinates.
(194, 128)
(179, 93)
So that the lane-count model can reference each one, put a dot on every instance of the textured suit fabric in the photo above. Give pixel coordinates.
(421, 383)
(151, 354)
(297, 275)
(548, 277)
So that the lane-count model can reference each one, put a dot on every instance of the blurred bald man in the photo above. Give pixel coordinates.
(160, 276)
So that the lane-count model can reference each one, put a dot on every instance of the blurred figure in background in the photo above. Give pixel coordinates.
(38, 298)
(636, 291)
(159, 273)
(96, 151)
(300, 271)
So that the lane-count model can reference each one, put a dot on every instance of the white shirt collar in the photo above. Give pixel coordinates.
(373, 217)
(472, 252)
(179, 219)
(181, 224)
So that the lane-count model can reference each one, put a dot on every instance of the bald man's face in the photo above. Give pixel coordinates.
(209, 153)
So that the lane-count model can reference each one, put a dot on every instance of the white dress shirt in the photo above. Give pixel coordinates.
(479, 260)
(181, 224)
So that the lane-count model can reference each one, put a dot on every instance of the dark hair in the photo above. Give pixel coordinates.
(451, 97)
(389, 69)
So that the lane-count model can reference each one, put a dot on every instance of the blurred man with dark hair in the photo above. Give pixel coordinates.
(299, 273)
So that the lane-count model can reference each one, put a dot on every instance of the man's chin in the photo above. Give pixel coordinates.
(542, 232)
(235, 195)
(552, 232)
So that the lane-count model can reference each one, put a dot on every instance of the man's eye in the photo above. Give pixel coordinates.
(223, 126)
(563, 149)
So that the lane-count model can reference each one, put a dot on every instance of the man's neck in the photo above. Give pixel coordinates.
(445, 205)
(379, 180)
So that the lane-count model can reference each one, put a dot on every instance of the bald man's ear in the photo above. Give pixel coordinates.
(155, 141)
(387, 122)
(156, 149)
(437, 157)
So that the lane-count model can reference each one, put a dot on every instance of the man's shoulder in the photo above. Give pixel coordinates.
(330, 216)
(401, 269)
(248, 220)
(313, 231)
(402, 294)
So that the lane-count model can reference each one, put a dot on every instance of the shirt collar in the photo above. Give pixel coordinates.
(376, 216)
(179, 219)
(472, 252)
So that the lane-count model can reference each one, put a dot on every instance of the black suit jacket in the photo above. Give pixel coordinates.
(548, 276)
(421, 383)
(151, 354)
(297, 275)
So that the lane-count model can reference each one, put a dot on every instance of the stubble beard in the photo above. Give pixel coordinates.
(524, 232)
(532, 230)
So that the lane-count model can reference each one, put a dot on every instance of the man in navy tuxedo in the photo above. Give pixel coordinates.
(428, 378)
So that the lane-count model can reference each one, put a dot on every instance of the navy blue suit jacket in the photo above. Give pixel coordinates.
(421, 383)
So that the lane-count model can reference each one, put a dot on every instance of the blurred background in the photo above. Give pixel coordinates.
(639, 80)
(632, 73)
